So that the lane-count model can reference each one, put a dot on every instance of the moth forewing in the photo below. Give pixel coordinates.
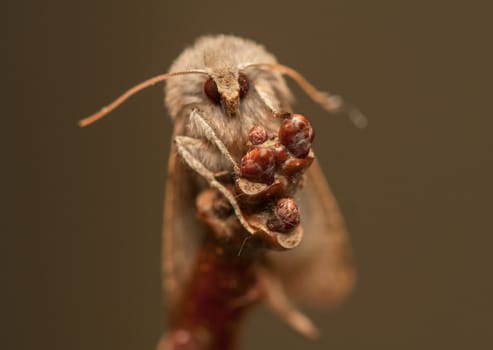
(320, 271)
(179, 217)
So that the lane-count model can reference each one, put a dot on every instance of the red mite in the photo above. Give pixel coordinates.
(257, 135)
(258, 165)
(296, 133)
(286, 216)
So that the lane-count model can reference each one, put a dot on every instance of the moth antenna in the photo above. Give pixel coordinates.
(132, 91)
(329, 102)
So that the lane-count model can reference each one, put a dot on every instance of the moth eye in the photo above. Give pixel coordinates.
(210, 89)
(244, 84)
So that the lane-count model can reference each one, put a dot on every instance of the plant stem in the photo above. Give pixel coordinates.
(222, 289)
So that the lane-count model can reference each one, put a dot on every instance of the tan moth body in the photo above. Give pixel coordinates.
(319, 271)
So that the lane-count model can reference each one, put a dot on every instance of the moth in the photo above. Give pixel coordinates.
(216, 91)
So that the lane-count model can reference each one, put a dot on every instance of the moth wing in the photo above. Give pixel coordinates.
(182, 229)
(320, 271)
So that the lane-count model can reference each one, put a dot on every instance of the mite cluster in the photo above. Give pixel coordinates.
(265, 183)
(270, 172)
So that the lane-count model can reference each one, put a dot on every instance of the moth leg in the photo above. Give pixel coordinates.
(223, 176)
(210, 135)
(252, 296)
(267, 101)
(277, 300)
(264, 95)
(183, 148)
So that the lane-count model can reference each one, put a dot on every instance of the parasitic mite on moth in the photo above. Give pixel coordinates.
(243, 180)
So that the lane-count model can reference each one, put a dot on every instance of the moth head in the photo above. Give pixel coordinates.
(227, 88)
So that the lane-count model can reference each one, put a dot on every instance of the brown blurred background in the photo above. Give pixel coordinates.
(81, 235)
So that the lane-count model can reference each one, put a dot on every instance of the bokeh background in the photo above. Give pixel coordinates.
(81, 232)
